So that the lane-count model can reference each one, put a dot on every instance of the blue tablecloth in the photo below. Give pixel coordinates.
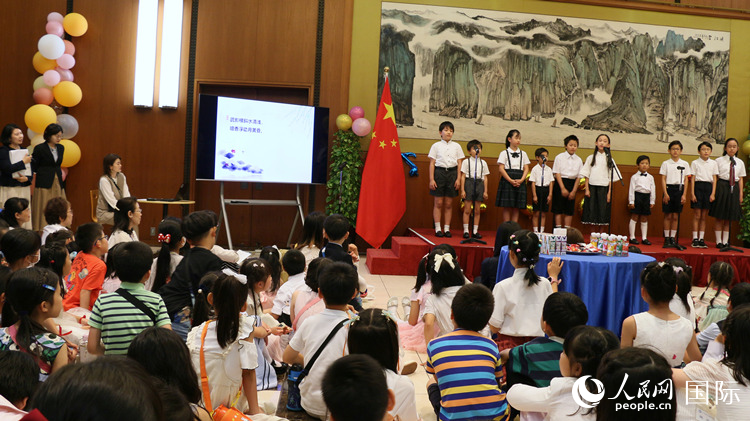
(610, 286)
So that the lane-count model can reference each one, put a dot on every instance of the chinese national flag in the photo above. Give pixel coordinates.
(382, 198)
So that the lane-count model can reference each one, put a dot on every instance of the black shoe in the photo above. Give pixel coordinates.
(719, 245)
(477, 235)
(448, 234)
(646, 242)
(696, 243)
(466, 235)
(702, 244)
(634, 241)
(667, 242)
(439, 234)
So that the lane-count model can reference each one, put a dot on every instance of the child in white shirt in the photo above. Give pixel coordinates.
(445, 167)
(674, 173)
(702, 191)
(540, 179)
(641, 198)
(600, 171)
(567, 170)
(474, 172)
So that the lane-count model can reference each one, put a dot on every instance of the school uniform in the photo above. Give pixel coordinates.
(507, 195)
(568, 166)
(642, 193)
(542, 188)
(474, 178)
(446, 156)
(726, 206)
(596, 209)
(703, 173)
(675, 183)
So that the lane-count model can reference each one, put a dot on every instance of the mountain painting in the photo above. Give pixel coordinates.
(491, 71)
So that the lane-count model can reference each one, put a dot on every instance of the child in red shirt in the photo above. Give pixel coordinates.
(88, 270)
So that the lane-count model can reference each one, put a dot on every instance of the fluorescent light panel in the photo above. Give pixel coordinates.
(145, 53)
(171, 48)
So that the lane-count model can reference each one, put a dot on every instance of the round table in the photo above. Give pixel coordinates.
(610, 286)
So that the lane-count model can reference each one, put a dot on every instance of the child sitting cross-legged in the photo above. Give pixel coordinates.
(466, 365)
(337, 285)
(583, 350)
(119, 316)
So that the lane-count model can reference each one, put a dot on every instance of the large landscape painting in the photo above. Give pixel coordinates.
(550, 76)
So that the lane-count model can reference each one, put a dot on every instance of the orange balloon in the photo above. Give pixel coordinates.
(72, 153)
(68, 94)
(42, 64)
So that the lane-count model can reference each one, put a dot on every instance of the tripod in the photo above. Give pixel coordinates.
(676, 244)
(612, 169)
(728, 247)
(471, 239)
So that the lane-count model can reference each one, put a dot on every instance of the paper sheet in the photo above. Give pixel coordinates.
(17, 155)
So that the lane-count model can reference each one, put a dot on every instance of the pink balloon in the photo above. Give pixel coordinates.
(51, 78)
(43, 96)
(361, 127)
(65, 74)
(55, 17)
(64, 172)
(69, 47)
(66, 61)
(55, 28)
(356, 112)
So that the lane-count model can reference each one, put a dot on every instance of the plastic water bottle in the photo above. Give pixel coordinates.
(293, 402)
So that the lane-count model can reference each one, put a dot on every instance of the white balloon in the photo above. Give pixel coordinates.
(30, 133)
(69, 125)
(51, 46)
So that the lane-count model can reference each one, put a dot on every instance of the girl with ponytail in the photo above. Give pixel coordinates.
(171, 240)
(35, 296)
(519, 300)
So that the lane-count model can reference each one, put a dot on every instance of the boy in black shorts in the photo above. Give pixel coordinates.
(641, 198)
(474, 172)
(540, 179)
(674, 173)
(445, 164)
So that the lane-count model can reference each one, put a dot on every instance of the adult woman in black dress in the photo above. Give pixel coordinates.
(47, 158)
(10, 186)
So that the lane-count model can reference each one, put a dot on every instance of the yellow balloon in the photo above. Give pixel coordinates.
(37, 140)
(39, 116)
(67, 94)
(746, 147)
(75, 24)
(72, 153)
(42, 64)
(344, 122)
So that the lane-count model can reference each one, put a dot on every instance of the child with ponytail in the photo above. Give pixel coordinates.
(171, 240)
(222, 350)
(519, 300)
(447, 278)
(374, 332)
(202, 310)
(35, 295)
(711, 306)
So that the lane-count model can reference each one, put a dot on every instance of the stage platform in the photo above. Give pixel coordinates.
(403, 257)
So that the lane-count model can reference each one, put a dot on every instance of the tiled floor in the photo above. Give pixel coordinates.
(380, 288)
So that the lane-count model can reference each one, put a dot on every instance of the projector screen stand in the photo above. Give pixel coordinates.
(259, 202)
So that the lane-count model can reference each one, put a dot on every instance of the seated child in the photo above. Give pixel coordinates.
(19, 377)
(273, 258)
(575, 236)
(119, 316)
(374, 332)
(336, 230)
(199, 229)
(293, 263)
(639, 365)
(535, 362)
(682, 301)
(88, 269)
(338, 285)
(465, 365)
(583, 349)
(20, 248)
(659, 328)
(411, 327)
(171, 239)
(489, 265)
(447, 278)
(348, 380)
(307, 302)
(519, 300)
(711, 306)
(740, 296)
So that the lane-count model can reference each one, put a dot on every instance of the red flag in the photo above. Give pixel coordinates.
(382, 197)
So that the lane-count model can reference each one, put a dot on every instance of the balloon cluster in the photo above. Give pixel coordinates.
(355, 120)
(55, 88)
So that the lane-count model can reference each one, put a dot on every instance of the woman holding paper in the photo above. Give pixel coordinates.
(15, 171)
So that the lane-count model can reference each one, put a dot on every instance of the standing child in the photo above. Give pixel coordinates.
(674, 173)
(465, 365)
(473, 191)
(600, 171)
(373, 332)
(541, 178)
(514, 166)
(447, 278)
(726, 207)
(223, 351)
(519, 300)
(35, 296)
(583, 349)
(88, 270)
(567, 169)
(660, 328)
(445, 164)
(641, 198)
(703, 191)
(711, 306)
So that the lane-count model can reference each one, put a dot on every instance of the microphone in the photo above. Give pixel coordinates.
(731, 160)
(544, 159)
(606, 150)
(476, 149)
(680, 168)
